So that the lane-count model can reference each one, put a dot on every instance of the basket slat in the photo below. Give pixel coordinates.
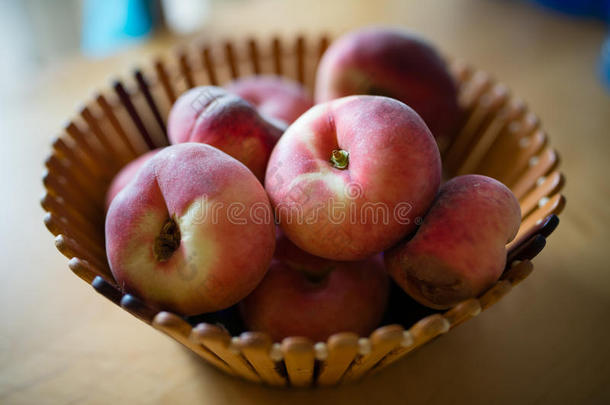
(511, 112)
(475, 125)
(57, 186)
(114, 122)
(145, 90)
(276, 49)
(58, 225)
(342, 349)
(382, 341)
(462, 312)
(165, 81)
(210, 69)
(473, 89)
(78, 160)
(107, 289)
(529, 147)
(493, 295)
(539, 166)
(469, 93)
(138, 308)
(299, 358)
(323, 45)
(518, 272)
(157, 135)
(218, 342)
(231, 60)
(131, 110)
(89, 194)
(255, 347)
(544, 227)
(300, 58)
(86, 271)
(180, 330)
(185, 69)
(460, 70)
(554, 205)
(84, 146)
(529, 249)
(108, 149)
(53, 205)
(420, 333)
(546, 187)
(70, 248)
(254, 56)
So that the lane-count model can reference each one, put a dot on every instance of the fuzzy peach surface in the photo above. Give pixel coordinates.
(393, 174)
(225, 224)
(304, 295)
(212, 115)
(126, 174)
(274, 96)
(459, 250)
(395, 63)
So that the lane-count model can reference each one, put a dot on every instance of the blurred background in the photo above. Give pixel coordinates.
(544, 343)
(36, 34)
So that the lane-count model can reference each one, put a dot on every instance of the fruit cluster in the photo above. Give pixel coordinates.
(301, 212)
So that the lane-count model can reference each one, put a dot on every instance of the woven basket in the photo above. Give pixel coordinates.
(499, 137)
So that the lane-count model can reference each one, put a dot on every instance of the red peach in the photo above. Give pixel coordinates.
(304, 295)
(349, 177)
(125, 175)
(394, 63)
(459, 250)
(192, 233)
(288, 253)
(274, 96)
(214, 116)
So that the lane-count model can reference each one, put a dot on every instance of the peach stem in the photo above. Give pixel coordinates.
(167, 241)
(340, 159)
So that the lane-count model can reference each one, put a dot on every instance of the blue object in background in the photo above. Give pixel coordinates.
(109, 25)
(588, 8)
(583, 8)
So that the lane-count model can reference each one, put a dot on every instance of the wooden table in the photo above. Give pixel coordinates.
(547, 342)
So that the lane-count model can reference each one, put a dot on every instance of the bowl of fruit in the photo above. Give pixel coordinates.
(299, 212)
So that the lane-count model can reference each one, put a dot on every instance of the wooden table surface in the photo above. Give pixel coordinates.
(546, 342)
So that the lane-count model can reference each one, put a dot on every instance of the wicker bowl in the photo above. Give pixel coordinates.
(499, 137)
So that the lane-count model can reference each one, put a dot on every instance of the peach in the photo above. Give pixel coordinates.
(349, 177)
(126, 174)
(192, 233)
(394, 63)
(459, 250)
(304, 295)
(274, 96)
(288, 253)
(214, 116)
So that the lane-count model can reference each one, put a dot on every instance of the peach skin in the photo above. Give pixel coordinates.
(274, 96)
(459, 250)
(393, 63)
(192, 233)
(349, 177)
(224, 120)
(126, 174)
(304, 295)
